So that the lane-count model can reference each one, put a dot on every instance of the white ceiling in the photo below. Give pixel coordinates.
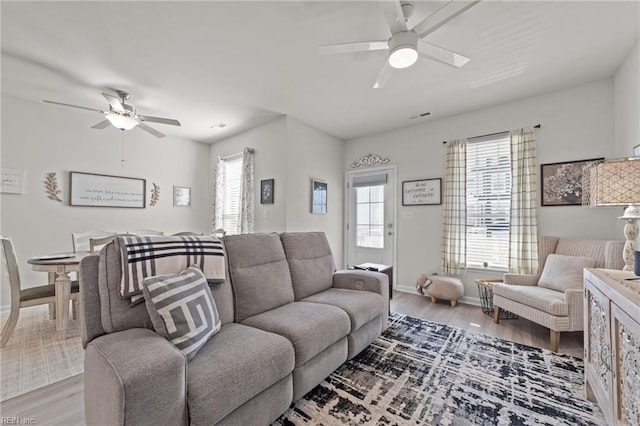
(243, 63)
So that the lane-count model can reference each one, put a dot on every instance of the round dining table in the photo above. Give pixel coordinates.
(61, 264)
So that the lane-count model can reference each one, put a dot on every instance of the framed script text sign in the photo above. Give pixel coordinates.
(12, 181)
(422, 192)
(93, 190)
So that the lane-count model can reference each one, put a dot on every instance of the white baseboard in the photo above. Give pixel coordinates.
(465, 299)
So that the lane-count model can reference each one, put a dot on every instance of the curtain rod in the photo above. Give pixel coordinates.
(537, 126)
(237, 154)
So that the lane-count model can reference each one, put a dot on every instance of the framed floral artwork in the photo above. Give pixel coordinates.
(266, 191)
(562, 182)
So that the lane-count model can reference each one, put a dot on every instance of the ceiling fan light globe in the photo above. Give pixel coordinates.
(403, 56)
(122, 122)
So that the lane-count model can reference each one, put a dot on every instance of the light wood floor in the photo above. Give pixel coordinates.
(62, 403)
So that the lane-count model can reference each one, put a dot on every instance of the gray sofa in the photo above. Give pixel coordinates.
(289, 319)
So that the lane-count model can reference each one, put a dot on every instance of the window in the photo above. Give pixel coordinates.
(370, 216)
(488, 188)
(232, 178)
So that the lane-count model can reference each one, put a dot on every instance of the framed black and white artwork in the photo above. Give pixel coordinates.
(266, 191)
(318, 196)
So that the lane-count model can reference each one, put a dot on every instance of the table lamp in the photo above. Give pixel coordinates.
(617, 183)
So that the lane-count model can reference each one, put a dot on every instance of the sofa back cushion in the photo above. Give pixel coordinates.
(595, 249)
(119, 314)
(259, 273)
(310, 261)
(561, 272)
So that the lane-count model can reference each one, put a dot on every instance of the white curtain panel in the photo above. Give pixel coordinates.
(218, 195)
(246, 192)
(454, 208)
(523, 227)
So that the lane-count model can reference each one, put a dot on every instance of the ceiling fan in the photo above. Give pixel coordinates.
(406, 44)
(122, 115)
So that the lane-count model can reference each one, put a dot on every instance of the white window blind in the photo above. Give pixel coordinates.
(231, 195)
(488, 201)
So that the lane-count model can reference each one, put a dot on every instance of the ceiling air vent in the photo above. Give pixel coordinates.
(424, 114)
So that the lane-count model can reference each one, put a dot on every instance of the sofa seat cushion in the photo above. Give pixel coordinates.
(310, 327)
(361, 306)
(544, 299)
(235, 365)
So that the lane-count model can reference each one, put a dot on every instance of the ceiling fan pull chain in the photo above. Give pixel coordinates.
(122, 149)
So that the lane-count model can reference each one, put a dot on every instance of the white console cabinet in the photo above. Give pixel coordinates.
(612, 344)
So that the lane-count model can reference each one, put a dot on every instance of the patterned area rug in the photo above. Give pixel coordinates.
(423, 373)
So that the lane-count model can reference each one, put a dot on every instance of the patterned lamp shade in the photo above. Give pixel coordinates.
(612, 183)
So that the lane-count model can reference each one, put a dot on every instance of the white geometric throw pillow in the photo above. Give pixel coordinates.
(182, 309)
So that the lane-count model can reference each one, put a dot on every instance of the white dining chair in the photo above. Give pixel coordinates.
(81, 239)
(96, 244)
(31, 296)
(146, 232)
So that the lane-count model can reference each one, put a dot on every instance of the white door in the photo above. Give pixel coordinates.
(370, 213)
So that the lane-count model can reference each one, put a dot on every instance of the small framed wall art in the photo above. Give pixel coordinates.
(422, 192)
(12, 181)
(266, 191)
(181, 196)
(318, 196)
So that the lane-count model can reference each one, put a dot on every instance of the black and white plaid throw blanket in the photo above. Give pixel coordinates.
(143, 257)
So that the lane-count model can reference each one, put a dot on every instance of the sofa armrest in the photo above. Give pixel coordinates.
(376, 282)
(134, 377)
(520, 279)
(575, 300)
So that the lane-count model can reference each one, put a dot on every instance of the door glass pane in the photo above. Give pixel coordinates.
(377, 236)
(362, 195)
(370, 216)
(363, 214)
(377, 193)
(377, 213)
(362, 235)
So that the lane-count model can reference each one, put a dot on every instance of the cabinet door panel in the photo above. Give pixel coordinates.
(598, 351)
(626, 345)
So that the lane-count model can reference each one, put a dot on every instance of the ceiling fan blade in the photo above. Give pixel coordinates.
(384, 76)
(440, 54)
(361, 46)
(442, 16)
(151, 130)
(159, 120)
(116, 104)
(73, 106)
(101, 125)
(392, 11)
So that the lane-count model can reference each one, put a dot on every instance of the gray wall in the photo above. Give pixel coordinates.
(40, 138)
(577, 123)
(292, 153)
